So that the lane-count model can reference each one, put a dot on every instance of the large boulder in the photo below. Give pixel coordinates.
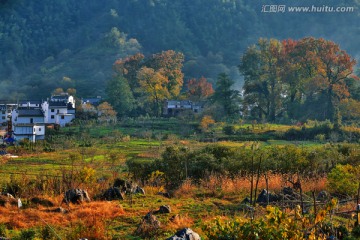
(185, 234)
(264, 196)
(163, 209)
(113, 193)
(125, 186)
(76, 196)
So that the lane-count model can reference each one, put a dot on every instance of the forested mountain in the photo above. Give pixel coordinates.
(45, 44)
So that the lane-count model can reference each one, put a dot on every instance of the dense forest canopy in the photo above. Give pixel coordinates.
(73, 44)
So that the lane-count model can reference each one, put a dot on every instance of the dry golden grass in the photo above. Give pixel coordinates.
(88, 213)
(187, 189)
(149, 154)
(179, 222)
(242, 185)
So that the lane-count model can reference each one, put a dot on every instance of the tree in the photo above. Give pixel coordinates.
(71, 91)
(149, 80)
(332, 67)
(58, 91)
(260, 66)
(199, 89)
(106, 112)
(120, 96)
(344, 179)
(226, 97)
(154, 85)
(86, 111)
(170, 64)
(307, 76)
(206, 121)
(128, 68)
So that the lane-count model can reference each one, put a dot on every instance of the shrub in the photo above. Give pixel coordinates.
(229, 130)
(343, 179)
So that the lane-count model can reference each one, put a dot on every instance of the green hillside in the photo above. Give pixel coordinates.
(48, 44)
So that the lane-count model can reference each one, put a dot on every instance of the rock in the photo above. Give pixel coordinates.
(76, 196)
(163, 209)
(6, 201)
(125, 186)
(58, 210)
(323, 196)
(148, 223)
(289, 193)
(41, 201)
(165, 194)
(119, 183)
(246, 201)
(113, 193)
(264, 195)
(185, 234)
(7, 195)
(139, 190)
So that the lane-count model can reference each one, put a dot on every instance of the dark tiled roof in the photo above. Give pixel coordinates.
(30, 113)
(31, 101)
(57, 104)
(177, 102)
(92, 101)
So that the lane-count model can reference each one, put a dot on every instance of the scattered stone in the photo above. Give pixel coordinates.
(163, 209)
(113, 193)
(165, 194)
(246, 201)
(125, 186)
(76, 196)
(264, 195)
(58, 210)
(185, 234)
(148, 223)
(6, 201)
(139, 190)
(42, 202)
(119, 183)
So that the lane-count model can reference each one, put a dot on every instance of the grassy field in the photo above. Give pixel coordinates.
(93, 156)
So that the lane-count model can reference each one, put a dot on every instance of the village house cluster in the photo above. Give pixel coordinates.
(28, 119)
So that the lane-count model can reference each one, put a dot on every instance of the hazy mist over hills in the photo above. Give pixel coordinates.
(45, 44)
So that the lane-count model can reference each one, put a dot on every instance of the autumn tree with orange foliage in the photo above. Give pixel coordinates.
(151, 80)
(154, 87)
(301, 79)
(199, 89)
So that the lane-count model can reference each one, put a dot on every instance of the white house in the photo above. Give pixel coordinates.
(5, 111)
(60, 109)
(174, 107)
(29, 104)
(28, 124)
